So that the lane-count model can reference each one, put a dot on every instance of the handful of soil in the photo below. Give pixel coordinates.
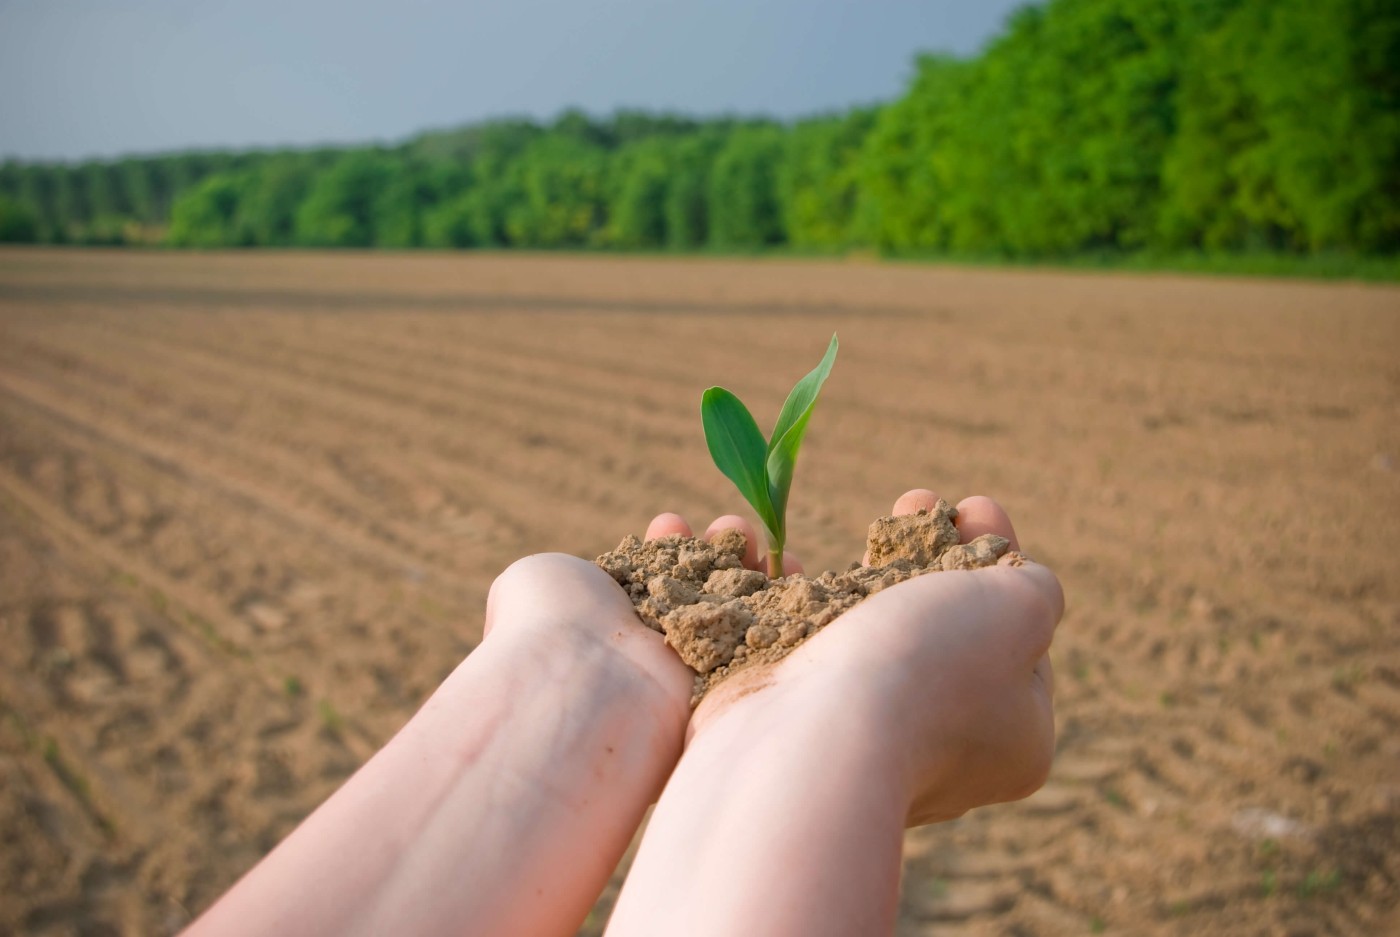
(721, 618)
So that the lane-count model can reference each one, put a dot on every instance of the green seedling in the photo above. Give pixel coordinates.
(762, 470)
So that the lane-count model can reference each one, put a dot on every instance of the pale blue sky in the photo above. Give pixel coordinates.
(85, 78)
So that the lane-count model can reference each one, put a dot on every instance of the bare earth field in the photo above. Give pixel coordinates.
(250, 506)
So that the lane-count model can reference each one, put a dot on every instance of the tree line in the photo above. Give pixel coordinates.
(1085, 126)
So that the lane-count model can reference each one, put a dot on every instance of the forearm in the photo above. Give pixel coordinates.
(773, 825)
(503, 805)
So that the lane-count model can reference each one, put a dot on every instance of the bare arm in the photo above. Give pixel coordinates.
(505, 803)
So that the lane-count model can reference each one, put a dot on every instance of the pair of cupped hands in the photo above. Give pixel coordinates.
(507, 801)
(949, 673)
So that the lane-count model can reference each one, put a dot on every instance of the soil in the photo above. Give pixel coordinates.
(251, 504)
(722, 618)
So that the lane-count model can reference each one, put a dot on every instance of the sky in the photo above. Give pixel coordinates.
(102, 78)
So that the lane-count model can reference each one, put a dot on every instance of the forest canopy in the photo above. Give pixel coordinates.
(1084, 126)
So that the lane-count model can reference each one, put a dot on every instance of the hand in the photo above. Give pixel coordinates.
(951, 668)
(570, 611)
(788, 808)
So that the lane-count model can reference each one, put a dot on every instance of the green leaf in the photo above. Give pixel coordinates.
(738, 449)
(798, 405)
(791, 428)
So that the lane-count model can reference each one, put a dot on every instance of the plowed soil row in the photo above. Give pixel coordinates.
(250, 506)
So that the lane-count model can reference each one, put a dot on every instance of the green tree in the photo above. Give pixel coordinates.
(687, 206)
(138, 188)
(106, 194)
(820, 180)
(493, 141)
(637, 204)
(18, 222)
(554, 194)
(632, 126)
(575, 125)
(339, 210)
(1086, 125)
(400, 207)
(443, 223)
(207, 215)
(10, 175)
(904, 200)
(452, 223)
(36, 193)
(269, 198)
(743, 206)
(69, 199)
(1289, 130)
(1051, 142)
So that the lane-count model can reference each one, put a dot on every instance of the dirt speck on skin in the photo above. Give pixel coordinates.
(722, 618)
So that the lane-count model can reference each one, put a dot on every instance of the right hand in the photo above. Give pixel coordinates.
(952, 669)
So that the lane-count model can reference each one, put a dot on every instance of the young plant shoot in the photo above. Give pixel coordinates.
(762, 471)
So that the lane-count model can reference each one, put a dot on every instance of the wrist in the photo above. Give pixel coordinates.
(823, 727)
(864, 722)
(780, 791)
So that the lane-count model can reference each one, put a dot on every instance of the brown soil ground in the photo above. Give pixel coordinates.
(250, 506)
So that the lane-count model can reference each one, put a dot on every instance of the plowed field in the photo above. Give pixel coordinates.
(250, 506)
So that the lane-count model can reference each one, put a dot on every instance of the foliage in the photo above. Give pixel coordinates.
(904, 198)
(743, 209)
(17, 221)
(340, 210)
(687, 207)
(208, 215)
(762, 470)
(819, 180)
(637, 204)
(269, 199)
(558, 184)
(1290, 130)
(1086, 129)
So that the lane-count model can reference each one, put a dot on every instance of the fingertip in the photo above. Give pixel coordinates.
(980, 515)
(741, 524)
(667, 525)
(915, 500)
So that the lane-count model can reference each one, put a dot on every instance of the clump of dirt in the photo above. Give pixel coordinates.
(722, 618)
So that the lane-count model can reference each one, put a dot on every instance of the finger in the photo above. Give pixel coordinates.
(741, 524)
(914, 501)
(667, 525)
(978, 515)
(792, 564)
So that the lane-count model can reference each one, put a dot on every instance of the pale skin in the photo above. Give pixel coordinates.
(505, 803)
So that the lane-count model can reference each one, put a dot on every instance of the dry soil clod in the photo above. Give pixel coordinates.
(721, 618)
